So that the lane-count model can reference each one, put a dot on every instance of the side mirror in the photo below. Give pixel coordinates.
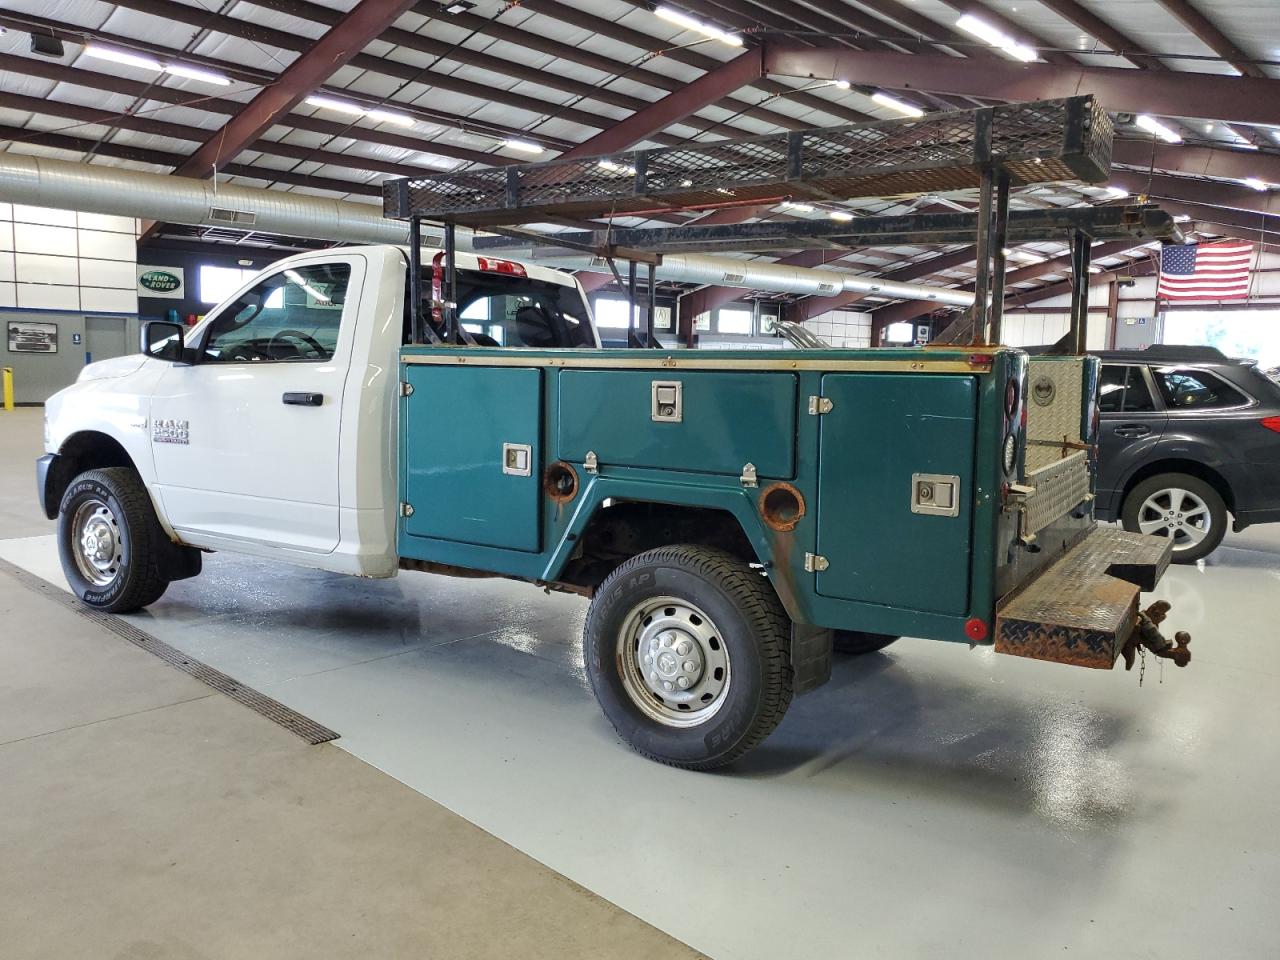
(164, 341)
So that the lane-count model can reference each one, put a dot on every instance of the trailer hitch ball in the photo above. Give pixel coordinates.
(1146, 633)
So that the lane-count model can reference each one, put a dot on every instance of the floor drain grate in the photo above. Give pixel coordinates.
(260, 703)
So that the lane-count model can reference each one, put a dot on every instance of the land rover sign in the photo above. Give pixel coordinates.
(166, 282)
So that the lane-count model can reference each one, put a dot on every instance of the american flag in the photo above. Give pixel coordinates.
(1205, 271)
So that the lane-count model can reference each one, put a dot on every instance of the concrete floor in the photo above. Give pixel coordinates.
(145, 817)
(928, 801)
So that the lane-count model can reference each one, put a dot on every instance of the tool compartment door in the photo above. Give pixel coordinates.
(472, 455)
(882, 430)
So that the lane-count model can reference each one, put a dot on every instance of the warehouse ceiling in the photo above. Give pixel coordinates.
(332, 98)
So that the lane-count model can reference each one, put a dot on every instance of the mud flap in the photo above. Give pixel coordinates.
(810, 656)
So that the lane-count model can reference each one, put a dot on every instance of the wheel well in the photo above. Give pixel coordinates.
(1190, 467)
(89, 450)
(619, 531)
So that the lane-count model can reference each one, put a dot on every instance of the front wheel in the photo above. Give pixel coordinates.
(1181, 507)
(687, 650)
(109, 541)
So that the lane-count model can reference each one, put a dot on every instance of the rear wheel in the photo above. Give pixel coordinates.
(1181, 507)
(687, 652)
(109, 541)
(857, 642)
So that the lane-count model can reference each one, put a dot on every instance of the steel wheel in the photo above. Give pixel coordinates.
(1178, 514)
(97, 545)
(672, 662)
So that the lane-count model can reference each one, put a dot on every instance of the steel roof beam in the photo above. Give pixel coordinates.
(649, 43)
(1208, 33)
(1210, 193)
(910, 309)
(1234, 99)
(812, 307)
(1221, 164)
(643, 124)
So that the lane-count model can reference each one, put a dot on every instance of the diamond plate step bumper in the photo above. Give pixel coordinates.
(1082, 609)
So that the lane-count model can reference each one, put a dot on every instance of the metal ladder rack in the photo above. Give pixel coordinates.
(991, 148)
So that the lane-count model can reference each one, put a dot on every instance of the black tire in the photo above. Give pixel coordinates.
(133, 578)
(1185, 548)
(745, 627)
(856, 642)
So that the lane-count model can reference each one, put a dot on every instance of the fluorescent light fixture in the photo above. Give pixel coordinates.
(522, 146)
(616, 167)
(1256, 184)
(1095, 269)
(899, 106)
(840, 215)
(1181, 218)
(1152, 125)
(842, 84)
(339, 106)
(1117, 193)
(123, 56)
(697, 26)
(986, 32)
(1276, 134)
(800, 207)
(197, 73)
(390, 116)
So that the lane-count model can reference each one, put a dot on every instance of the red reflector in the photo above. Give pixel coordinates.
(500, 266)
(975, 629)
(1272, 423)
(1011, 397)
(979, 360)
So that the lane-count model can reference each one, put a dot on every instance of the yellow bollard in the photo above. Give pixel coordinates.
(6, 375)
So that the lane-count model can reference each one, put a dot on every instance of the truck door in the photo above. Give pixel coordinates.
(246, 440)
(886, 433)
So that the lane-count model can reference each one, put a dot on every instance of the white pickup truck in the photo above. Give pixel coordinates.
(731, 514)
(275, 433)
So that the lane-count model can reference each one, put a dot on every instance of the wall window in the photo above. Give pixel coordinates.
(1237, 333)
(900, 332)
(735, 321)
(216, 284)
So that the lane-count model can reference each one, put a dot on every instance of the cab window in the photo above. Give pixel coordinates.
(1185, 389)
(500, 310)
(293, 316)
(1123, 389)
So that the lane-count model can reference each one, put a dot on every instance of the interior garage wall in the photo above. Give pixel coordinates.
(75, 270)
(842, 328)
(190, 261)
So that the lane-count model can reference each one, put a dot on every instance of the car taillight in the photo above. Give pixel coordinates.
(1011, 397)
(1272, 423)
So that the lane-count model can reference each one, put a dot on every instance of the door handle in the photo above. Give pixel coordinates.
(1132, 430)
(303, 399)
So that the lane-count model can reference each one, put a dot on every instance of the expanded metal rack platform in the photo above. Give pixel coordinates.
(1037, 142)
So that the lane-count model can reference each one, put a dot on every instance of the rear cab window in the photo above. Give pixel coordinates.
(503, 310)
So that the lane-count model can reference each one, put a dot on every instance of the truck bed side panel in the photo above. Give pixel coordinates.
(882, 430)
(727, 420)
(454, 428)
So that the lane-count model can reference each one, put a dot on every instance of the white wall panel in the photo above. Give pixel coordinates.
(102, 221)
(38, 296)
(108, 273)
(42, 268)
(6, 267)
(46, 215)
(37, 238)
(8, 295)
(6, 234)
(105, 300)
(108, 246)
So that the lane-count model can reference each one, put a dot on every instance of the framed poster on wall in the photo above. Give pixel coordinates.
(26, 336)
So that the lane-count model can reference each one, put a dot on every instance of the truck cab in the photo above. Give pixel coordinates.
(731, 515)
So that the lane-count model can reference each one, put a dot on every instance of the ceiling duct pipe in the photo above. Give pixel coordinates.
(780, 278)
(92, 188)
